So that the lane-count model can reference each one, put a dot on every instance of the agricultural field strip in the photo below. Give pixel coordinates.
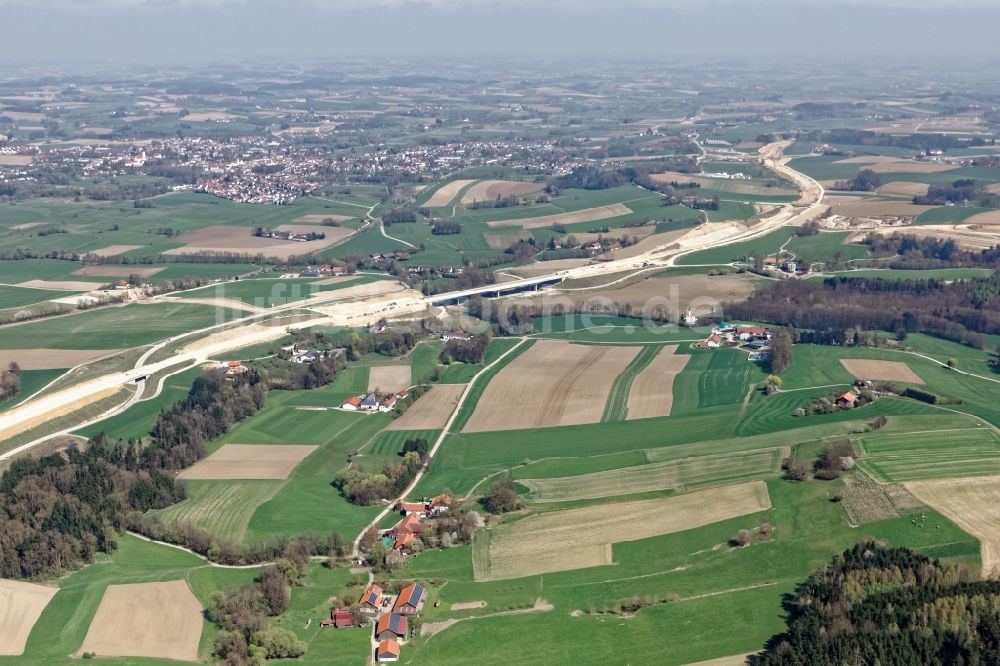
(224, 508)
(616, 408)
(577, 538)
(677, 474)
(916, 456)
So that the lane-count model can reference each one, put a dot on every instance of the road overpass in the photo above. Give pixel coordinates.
(498, 289)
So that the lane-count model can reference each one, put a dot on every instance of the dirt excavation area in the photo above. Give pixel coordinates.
(888, 371)
(974, 505)
(234, 338)
(579, 538)
(51, 359)
(249, 461)
(21, 604)
(585, 215)
(652, 391)
(388, 378)
(431, 410)
(160, 620)
(553, 383)
(445, 193)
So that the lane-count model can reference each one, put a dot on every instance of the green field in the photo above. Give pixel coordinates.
(31, 382)
(763, 246)
(949, 214)
(930, 274)
(224, 508)
(713, 378)
(15, 297)
(936, 454)
(679, 475)
(113, 327)
(825, 247)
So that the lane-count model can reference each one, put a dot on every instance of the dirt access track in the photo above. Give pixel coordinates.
(161, 620)
(580, 538)
(553, 383)
(21, 604)
(249, 461)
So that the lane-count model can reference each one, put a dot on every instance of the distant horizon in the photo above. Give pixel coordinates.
(57, 33)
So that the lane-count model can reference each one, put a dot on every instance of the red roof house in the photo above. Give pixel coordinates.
(371, 599)
(391, 626)
(410, 599)
(388, 650)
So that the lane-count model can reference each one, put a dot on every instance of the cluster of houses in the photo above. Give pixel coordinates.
(370, 402)
(755, 339)
(406, 531)
(323, 271)
(298, 236)
(434, 272)
(390, 614)
(392, 626)
(788, 266)
(307, 356)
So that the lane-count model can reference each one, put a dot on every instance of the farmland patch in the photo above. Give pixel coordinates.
(114, 250)
(652, 391)
(118, 271)
(50, 359)
(249, 461)
(551, 541)
(875, 370)
(161, 620)
(445, 193)
(585, 215)
(553, 383)
(431, 410)
(220, 239)
(972, 504)
(490, 190)
(388, 378)
(21, 604)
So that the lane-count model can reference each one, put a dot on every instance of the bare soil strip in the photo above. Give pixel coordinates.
(903, 188)
(585, 215)
(50, 359)
(113, 250)
(884, 164)
(652, 392)
(467, 605)
(552, 541)
(162, 620)
(877, 208)
(499, 240)
(445, 193)
(60, 285)
(250, 461)
(989, 217)
(119, 271)
(15, 160)
(489, 190)
(38, 416)
(21, 604)
(553, 383)
(431, 410)
(26, 225)
(974, 505)
(890, 371)
(388, 378)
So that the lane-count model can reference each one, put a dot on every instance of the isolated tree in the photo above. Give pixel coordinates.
(742, 538)
(781, 351)
(502, 497)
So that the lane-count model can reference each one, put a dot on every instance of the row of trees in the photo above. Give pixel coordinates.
(926, 252)
(465, 351)
(961, 311)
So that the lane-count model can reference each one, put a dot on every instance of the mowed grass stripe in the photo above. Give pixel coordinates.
(616, 408)
(931, 455)
(678, 475)
(224, 508)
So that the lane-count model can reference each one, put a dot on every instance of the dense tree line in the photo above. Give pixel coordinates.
(866, 181)
(358, 486)
(925, 252)
(59, 510)
(10, 381)
(445, 228)
(242, 612)
(781, 351)
(837, 307)
(465, 351)
(890, 606)
(924, 142)
(399, 216)
(965, 190)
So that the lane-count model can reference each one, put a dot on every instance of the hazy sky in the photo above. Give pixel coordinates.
(38, 31)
